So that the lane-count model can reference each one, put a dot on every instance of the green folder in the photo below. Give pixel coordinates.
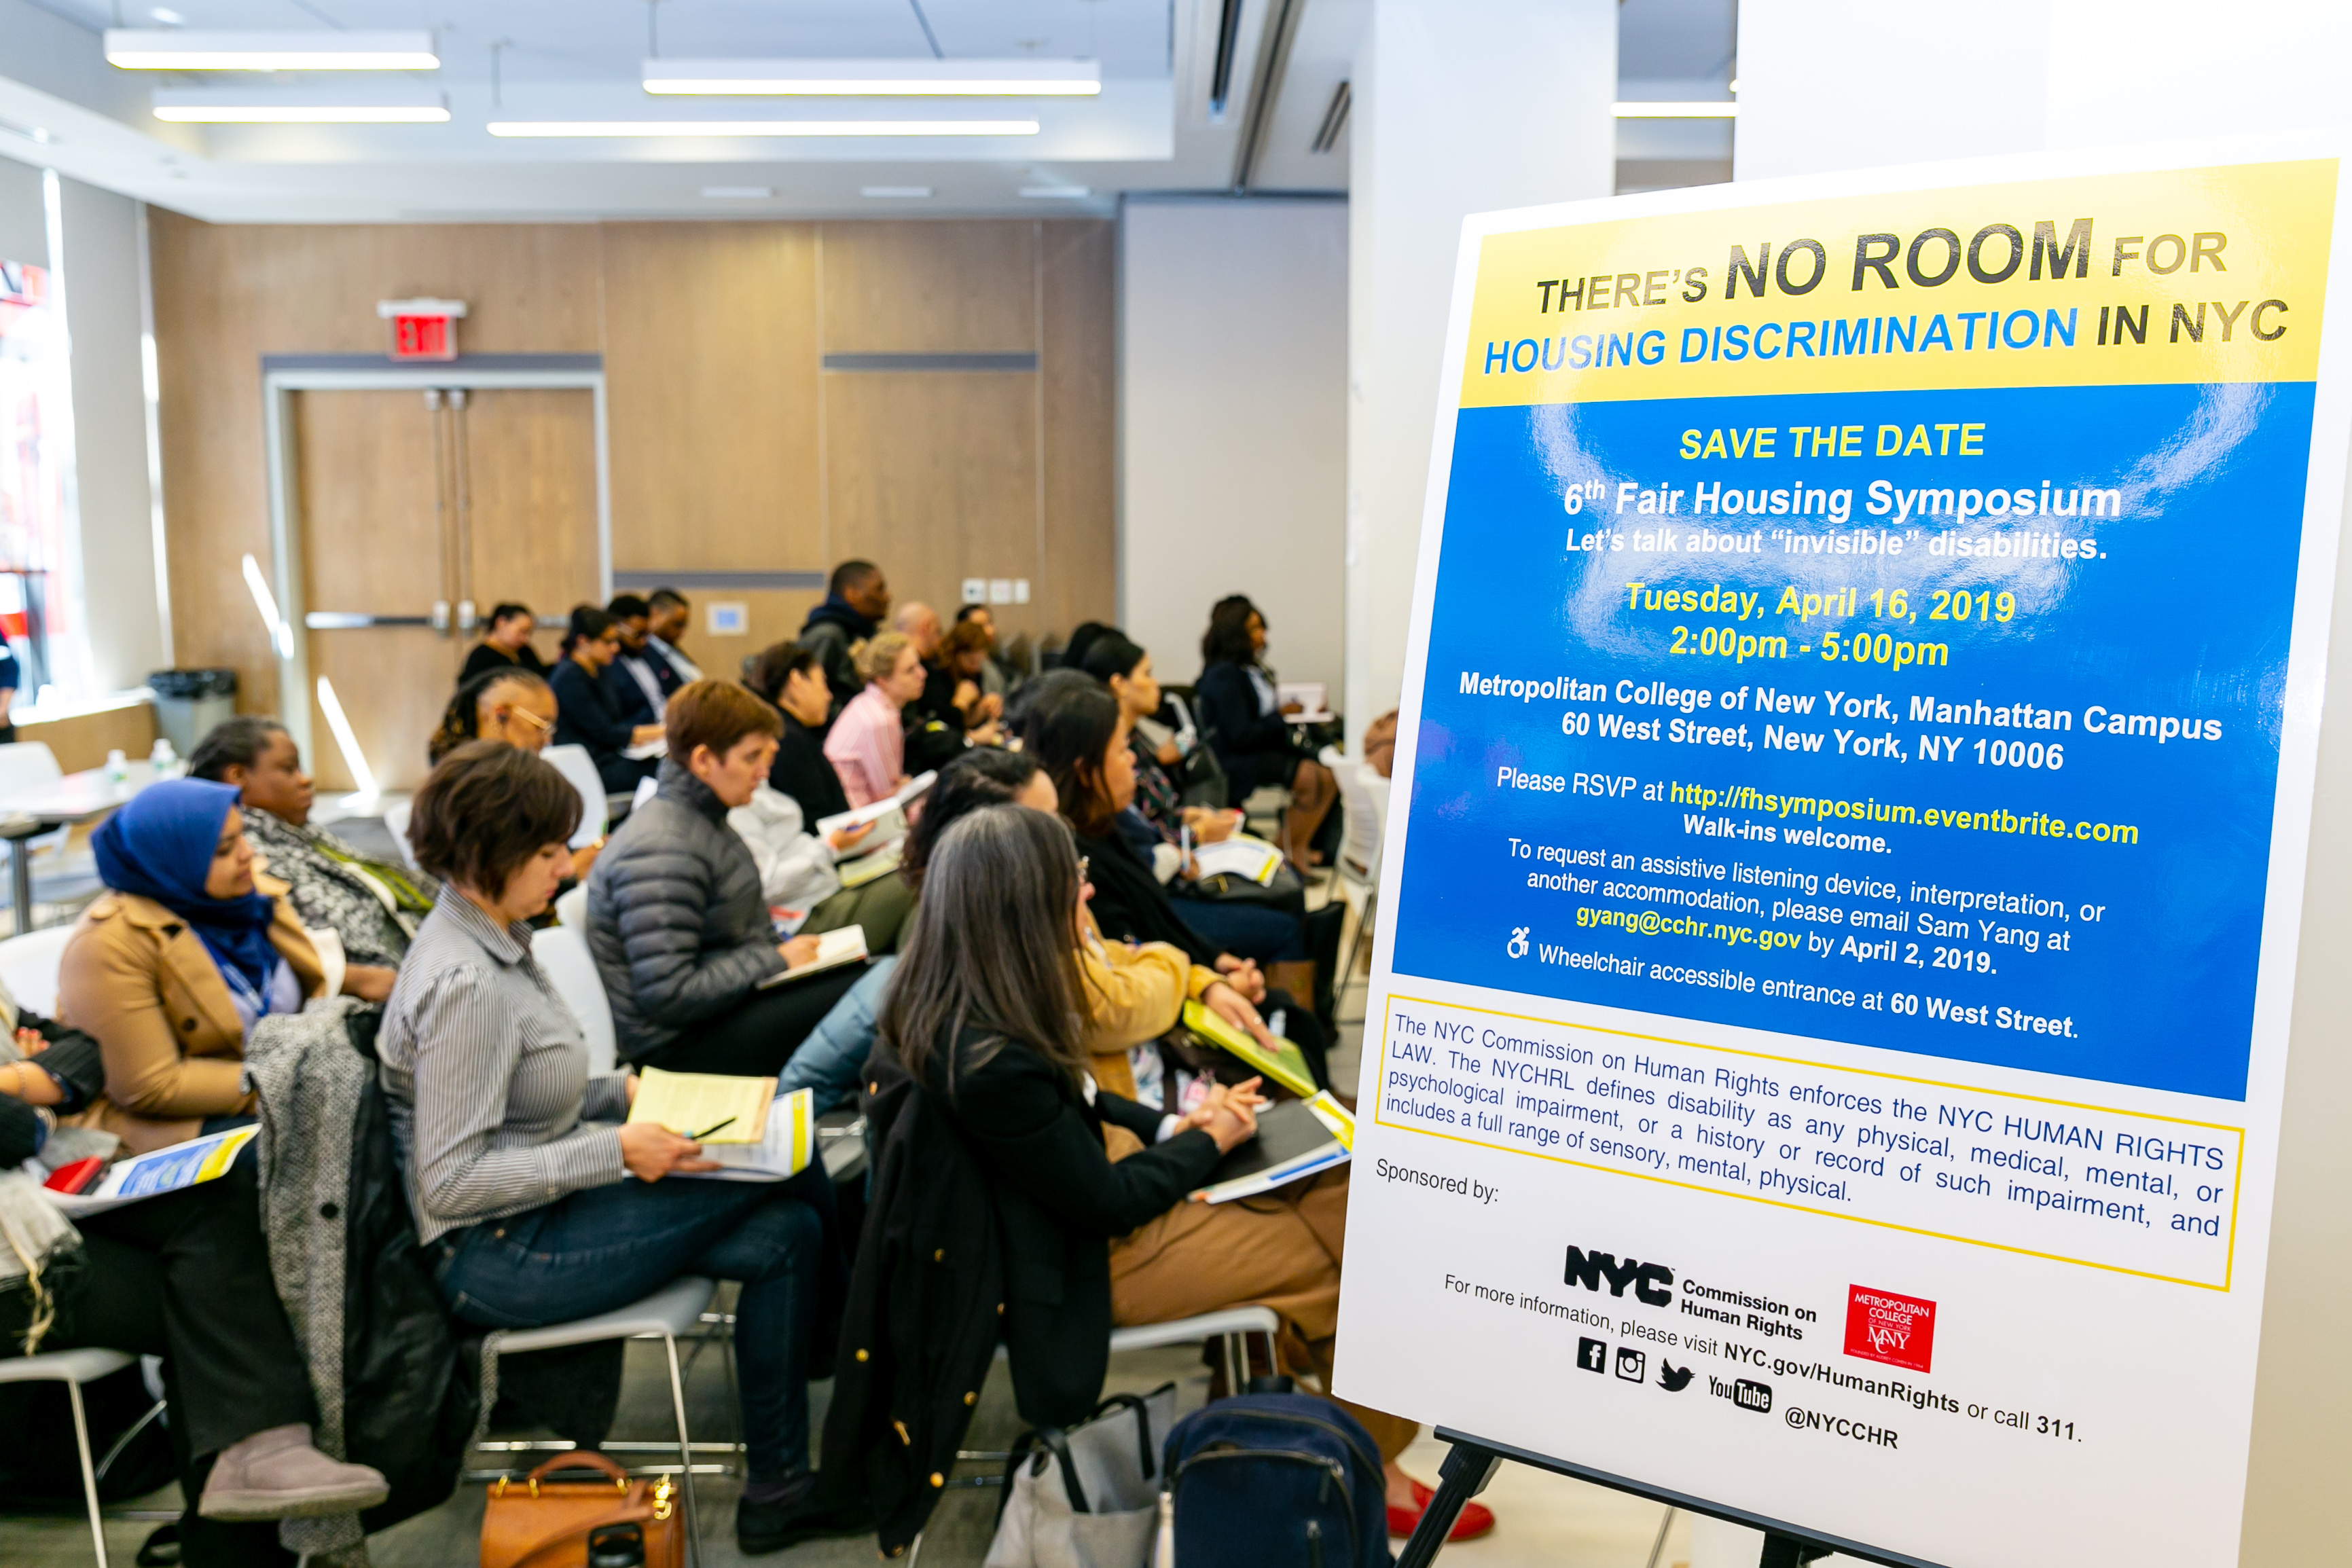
(1284, 1064)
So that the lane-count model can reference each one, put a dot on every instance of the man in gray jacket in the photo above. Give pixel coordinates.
(680, 931)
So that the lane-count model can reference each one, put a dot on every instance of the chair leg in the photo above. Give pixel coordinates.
(684, 1456)
(1347, 975)
(88, 1473)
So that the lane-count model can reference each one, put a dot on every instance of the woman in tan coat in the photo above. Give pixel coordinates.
(170, 969)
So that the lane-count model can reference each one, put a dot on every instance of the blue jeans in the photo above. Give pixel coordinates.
(831, 1058)
(603, 1248)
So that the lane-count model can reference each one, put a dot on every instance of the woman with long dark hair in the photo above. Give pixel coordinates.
(984, 1024)
(1249, 728)
(1079, 736)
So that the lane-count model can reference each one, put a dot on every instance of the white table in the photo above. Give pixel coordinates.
(75, 798)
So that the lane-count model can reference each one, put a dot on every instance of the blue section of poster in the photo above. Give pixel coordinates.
(1942, 722)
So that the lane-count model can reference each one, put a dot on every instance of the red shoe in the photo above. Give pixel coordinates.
(1475, 1520)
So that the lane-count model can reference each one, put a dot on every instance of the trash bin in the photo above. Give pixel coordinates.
(189, 703)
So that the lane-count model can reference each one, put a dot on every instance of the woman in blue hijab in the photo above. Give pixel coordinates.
(171, 968)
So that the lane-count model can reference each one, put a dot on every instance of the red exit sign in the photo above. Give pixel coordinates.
(422, 329)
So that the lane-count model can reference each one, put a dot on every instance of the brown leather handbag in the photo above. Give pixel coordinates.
(541, 1522)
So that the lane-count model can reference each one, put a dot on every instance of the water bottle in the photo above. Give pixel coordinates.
(118, 766)
(164, 759)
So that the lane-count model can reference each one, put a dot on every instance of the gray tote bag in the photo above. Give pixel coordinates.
(1088, 1495)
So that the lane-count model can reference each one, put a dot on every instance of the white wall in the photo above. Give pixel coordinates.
(1233, 410)
(1843, 84)
(103, 314)
(1461, 107)
(24, 230)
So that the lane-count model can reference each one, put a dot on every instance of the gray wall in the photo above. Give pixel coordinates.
(1233, 416)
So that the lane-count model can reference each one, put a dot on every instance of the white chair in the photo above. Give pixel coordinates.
(28, 967)
(571, 909)
(574, 763)
(669, 1316)
(1232, 1327)
(73, 1368)
(395, 822)
(1364, 801)
(563, 952)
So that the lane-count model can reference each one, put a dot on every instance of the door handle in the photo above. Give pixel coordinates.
(346, 621)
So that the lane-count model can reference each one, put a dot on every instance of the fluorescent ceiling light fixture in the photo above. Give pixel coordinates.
(876, 78)
(1057, 193)
(725, 128)
(181, 49)
(895, 192)
(738, 193)
(1668, 110)
(397, 105)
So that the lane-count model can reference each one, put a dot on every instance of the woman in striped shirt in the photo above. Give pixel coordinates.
(518, 1161)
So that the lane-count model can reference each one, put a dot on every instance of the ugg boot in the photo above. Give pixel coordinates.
(277, 1474)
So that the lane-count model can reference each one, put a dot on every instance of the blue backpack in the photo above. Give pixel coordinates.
(1277, 1480)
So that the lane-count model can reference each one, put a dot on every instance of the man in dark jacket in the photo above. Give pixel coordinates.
(676, 921)
(856, 598)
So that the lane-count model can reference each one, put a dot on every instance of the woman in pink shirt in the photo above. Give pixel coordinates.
(867, 744)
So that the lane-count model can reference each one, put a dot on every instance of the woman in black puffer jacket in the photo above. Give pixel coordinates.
(681, 931)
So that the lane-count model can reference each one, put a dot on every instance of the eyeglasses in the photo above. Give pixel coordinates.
(527, 717)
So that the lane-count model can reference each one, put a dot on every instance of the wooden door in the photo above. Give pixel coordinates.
(411, 506)
(370, 487)
(528, 507)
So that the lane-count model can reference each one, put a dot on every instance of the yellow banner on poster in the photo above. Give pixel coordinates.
(2186, 276)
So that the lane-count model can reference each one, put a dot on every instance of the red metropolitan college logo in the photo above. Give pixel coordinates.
(1883, 1326)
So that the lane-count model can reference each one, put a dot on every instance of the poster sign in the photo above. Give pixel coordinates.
(1856, 760)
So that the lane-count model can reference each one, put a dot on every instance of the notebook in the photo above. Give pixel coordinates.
(787, 1145)
(1295, 1139)
(889, 816)
(834, 949)
(1252, 860)
(1284, 1064)
(871, 868)
(690, 1103)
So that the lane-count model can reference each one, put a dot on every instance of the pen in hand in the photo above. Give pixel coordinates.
(714, 1127)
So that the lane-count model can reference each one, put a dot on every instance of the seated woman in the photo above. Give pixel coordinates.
(505, 644)
(513, 706)
(170, 969)
(585, 711)
(373, 906)
(984, 1017)
(676, 919)
(517, 707)
(1254, 747)
(867, 744)
(796, 871)
(1080, 737)
(1125, 669)
(963, 653)
(790, 679)
(516, 1158)
(1134, 993)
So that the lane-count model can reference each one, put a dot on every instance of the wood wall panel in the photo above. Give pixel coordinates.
(931, 473)
(530, 475)
(711, 380)
(730, 449)
(915, 288)
(226, 295)
(1078, 506)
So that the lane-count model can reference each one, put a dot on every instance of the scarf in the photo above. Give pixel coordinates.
(160, 846)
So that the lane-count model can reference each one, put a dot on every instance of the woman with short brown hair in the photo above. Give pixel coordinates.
(677, 916)
(516, 1158)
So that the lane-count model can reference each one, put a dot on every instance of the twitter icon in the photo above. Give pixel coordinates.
(1672, 1378)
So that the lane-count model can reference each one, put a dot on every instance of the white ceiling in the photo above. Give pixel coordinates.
(1150, 130)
